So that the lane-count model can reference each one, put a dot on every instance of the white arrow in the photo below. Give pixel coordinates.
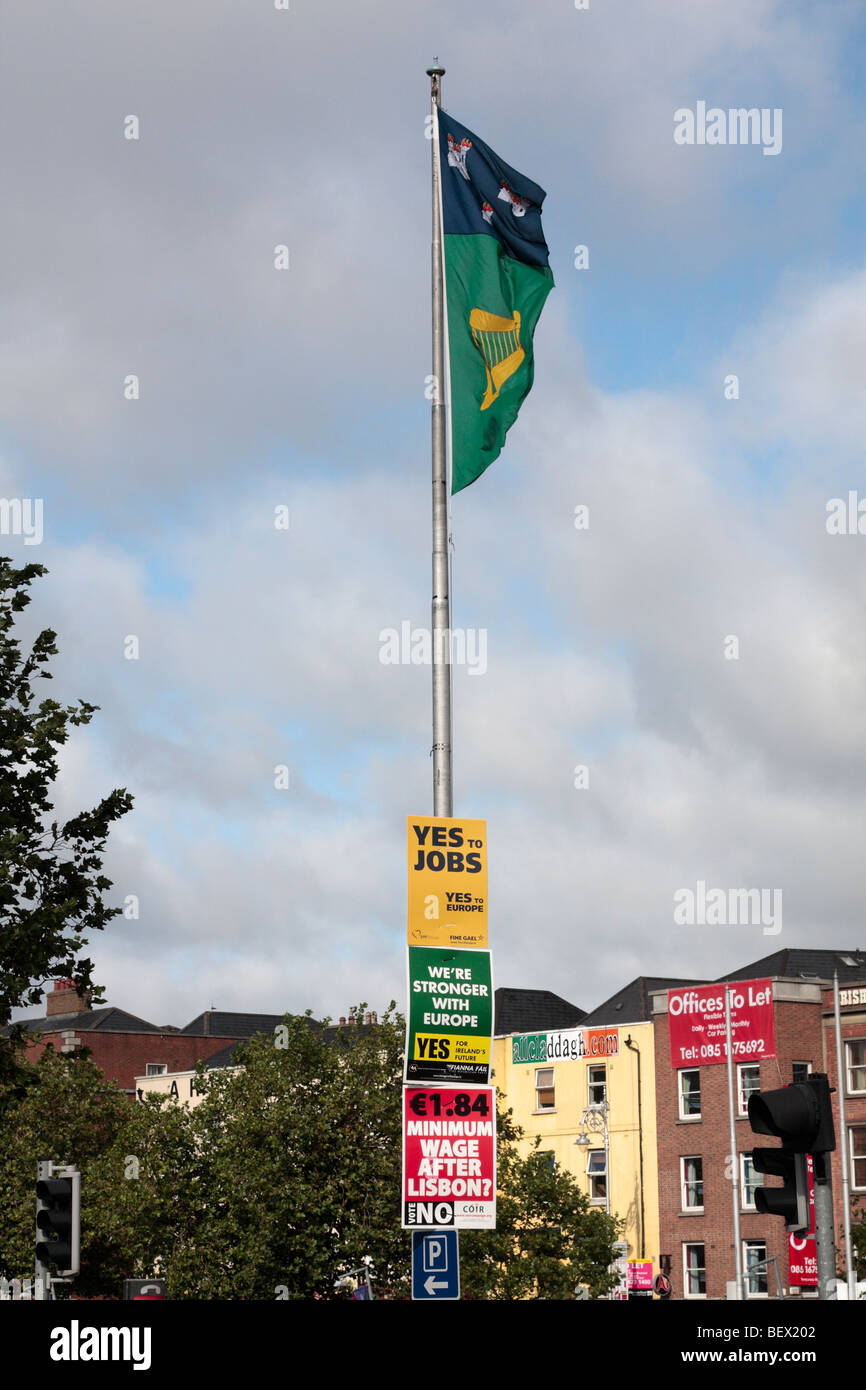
(431, 1284)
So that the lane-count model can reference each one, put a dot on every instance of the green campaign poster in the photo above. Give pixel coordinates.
(449, 1021)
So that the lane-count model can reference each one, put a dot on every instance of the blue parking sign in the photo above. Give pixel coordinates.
(435, 1265)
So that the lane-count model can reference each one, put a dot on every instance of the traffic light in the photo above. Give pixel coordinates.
(790, 1201)
(802, 1117)
(58, 1220)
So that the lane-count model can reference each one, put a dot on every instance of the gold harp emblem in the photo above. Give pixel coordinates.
(498, 341)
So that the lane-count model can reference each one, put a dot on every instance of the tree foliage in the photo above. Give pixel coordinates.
(69, 1113)
(51, 880)
(284, 1177)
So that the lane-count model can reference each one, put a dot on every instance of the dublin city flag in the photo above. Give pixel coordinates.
(497, 278)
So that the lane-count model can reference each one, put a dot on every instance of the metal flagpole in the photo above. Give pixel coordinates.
(441, 608)
(735, 1157)
(851, 1273)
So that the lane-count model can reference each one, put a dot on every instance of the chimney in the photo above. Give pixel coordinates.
(65, 999)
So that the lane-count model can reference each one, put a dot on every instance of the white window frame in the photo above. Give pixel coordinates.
(693, 1245)
(850, 1067)
(593, 1172)
(799, 1062)
(857, 1158)
(539, 1108)
(685, 1071)
(685, 1184)
(590, 1098)
(745, 1204)
(742, 1098)
(155, 1068)
(755, 1244)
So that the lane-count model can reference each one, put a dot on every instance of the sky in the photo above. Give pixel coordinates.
(697, 648)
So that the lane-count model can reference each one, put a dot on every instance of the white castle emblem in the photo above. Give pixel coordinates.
(518, 205)
(457, 153)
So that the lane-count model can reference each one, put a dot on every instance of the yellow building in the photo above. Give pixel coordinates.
(588, 1092)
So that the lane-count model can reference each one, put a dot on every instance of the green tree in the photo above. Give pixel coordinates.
(299, 1161)
(285, 1176)
(290, 1176)
(51, 880)
(548, 1238)
(69, 1113)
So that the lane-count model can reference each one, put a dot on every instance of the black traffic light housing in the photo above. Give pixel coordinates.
(790, 1201)
(801, 1115)
(58, 1221)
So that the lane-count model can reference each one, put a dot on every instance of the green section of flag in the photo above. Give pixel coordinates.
(491, 365)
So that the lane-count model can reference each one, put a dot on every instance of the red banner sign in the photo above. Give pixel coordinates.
(696, 1023)
(449, 1157)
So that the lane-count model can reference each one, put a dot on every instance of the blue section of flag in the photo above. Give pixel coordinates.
(472, 177)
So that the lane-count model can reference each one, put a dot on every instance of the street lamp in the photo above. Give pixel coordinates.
(594, 1121)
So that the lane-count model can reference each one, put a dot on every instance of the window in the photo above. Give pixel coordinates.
(548, 1158)
(545, 1098)
(692, 1183)
(799, 1071)
(856, 1055)
(754, 1253)
(749, 1180)
(748, 1080)
(597, 1085)
(694, 1271)
(597, 1172)
(857, 1135)
(690, 1095)
(156, 1069)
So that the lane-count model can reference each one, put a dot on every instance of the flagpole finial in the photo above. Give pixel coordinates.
(436, 70)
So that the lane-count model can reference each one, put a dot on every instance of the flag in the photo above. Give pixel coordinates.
(497, 278)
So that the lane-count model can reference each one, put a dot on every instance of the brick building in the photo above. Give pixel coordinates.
(124, 1046)
(695, 1170)
(852, 1008)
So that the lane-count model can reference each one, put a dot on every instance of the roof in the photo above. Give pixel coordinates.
(226, 1056)
(214, 1023)
(530, 1010)
(632, 1003)
(107, 1020)
(796, 964)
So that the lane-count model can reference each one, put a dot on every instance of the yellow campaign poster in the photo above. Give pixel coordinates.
(447, 881)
